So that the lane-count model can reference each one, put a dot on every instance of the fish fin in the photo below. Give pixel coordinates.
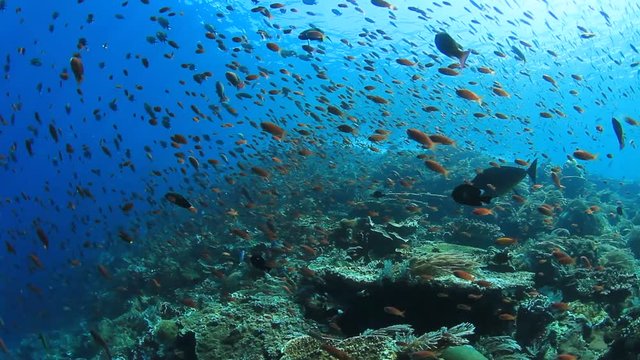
(463, 58)
(532, 170)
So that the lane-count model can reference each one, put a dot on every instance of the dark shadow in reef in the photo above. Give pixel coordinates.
(187, 344)
(427, 306)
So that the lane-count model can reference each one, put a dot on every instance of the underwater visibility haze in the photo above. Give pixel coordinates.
(318, 179)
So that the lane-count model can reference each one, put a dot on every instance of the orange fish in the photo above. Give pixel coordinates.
(273, 129)
(461, 274)
(448, 71)
(420, 137)
(394, 311)
(405, 62)
(10, 248)
(584, 155)
(545, 209)
(556, 180)
(77, 68)
(189, 302)
(560, 306)
(566, 357)
(44, 239)
(482, 211)
(260, 172)
(505, 241)
(506, 317)
(442, 139)
(500, 92)
(469, 95)
(435, 166)
(273, 47)
(104, 272)
(3, 347)
(483, 283)
(36, 261)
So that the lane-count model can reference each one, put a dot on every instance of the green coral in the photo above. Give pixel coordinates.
(463, 352)
(166, 332)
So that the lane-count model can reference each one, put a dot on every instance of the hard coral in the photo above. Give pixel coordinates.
(471, 232)
(363, 347)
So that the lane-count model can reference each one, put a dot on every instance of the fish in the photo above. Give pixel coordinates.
(482, 211)
(420, 137)
(3, 347)
(384, 4)
(273, 129)
(313, 34)
(220, 92)
(101, 342)
(584, 155)
(436, 167)
(566, 356)
(10, 248)
(394, 311)
(258, 262)
(44, 341)
(448, 46)
(44, 239)
(180, 200)
(492, 182)
(505, 241)
(234, 80)
(617, 128)
(461, 274)
(506, 317)
(519, 54)
(77, 67)
(469, 95)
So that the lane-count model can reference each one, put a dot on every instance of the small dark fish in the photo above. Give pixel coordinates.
(44, 341)
(180, 200)
(619, 210)
(259, 263)
(44, 239)
(617, 128)
(312, 34)
(519, 54)
(492, 182)
(100, 341)
(378, 194)
(449, 47)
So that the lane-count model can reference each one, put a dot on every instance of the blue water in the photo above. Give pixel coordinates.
(42, 189)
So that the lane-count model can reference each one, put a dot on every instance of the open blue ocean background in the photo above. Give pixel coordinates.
(115, 150)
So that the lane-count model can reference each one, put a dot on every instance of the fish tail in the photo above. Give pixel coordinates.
(463, 58)
(532, 170)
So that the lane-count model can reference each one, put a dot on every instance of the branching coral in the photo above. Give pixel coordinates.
(403, 334)
(499, 346)
(442, 338)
